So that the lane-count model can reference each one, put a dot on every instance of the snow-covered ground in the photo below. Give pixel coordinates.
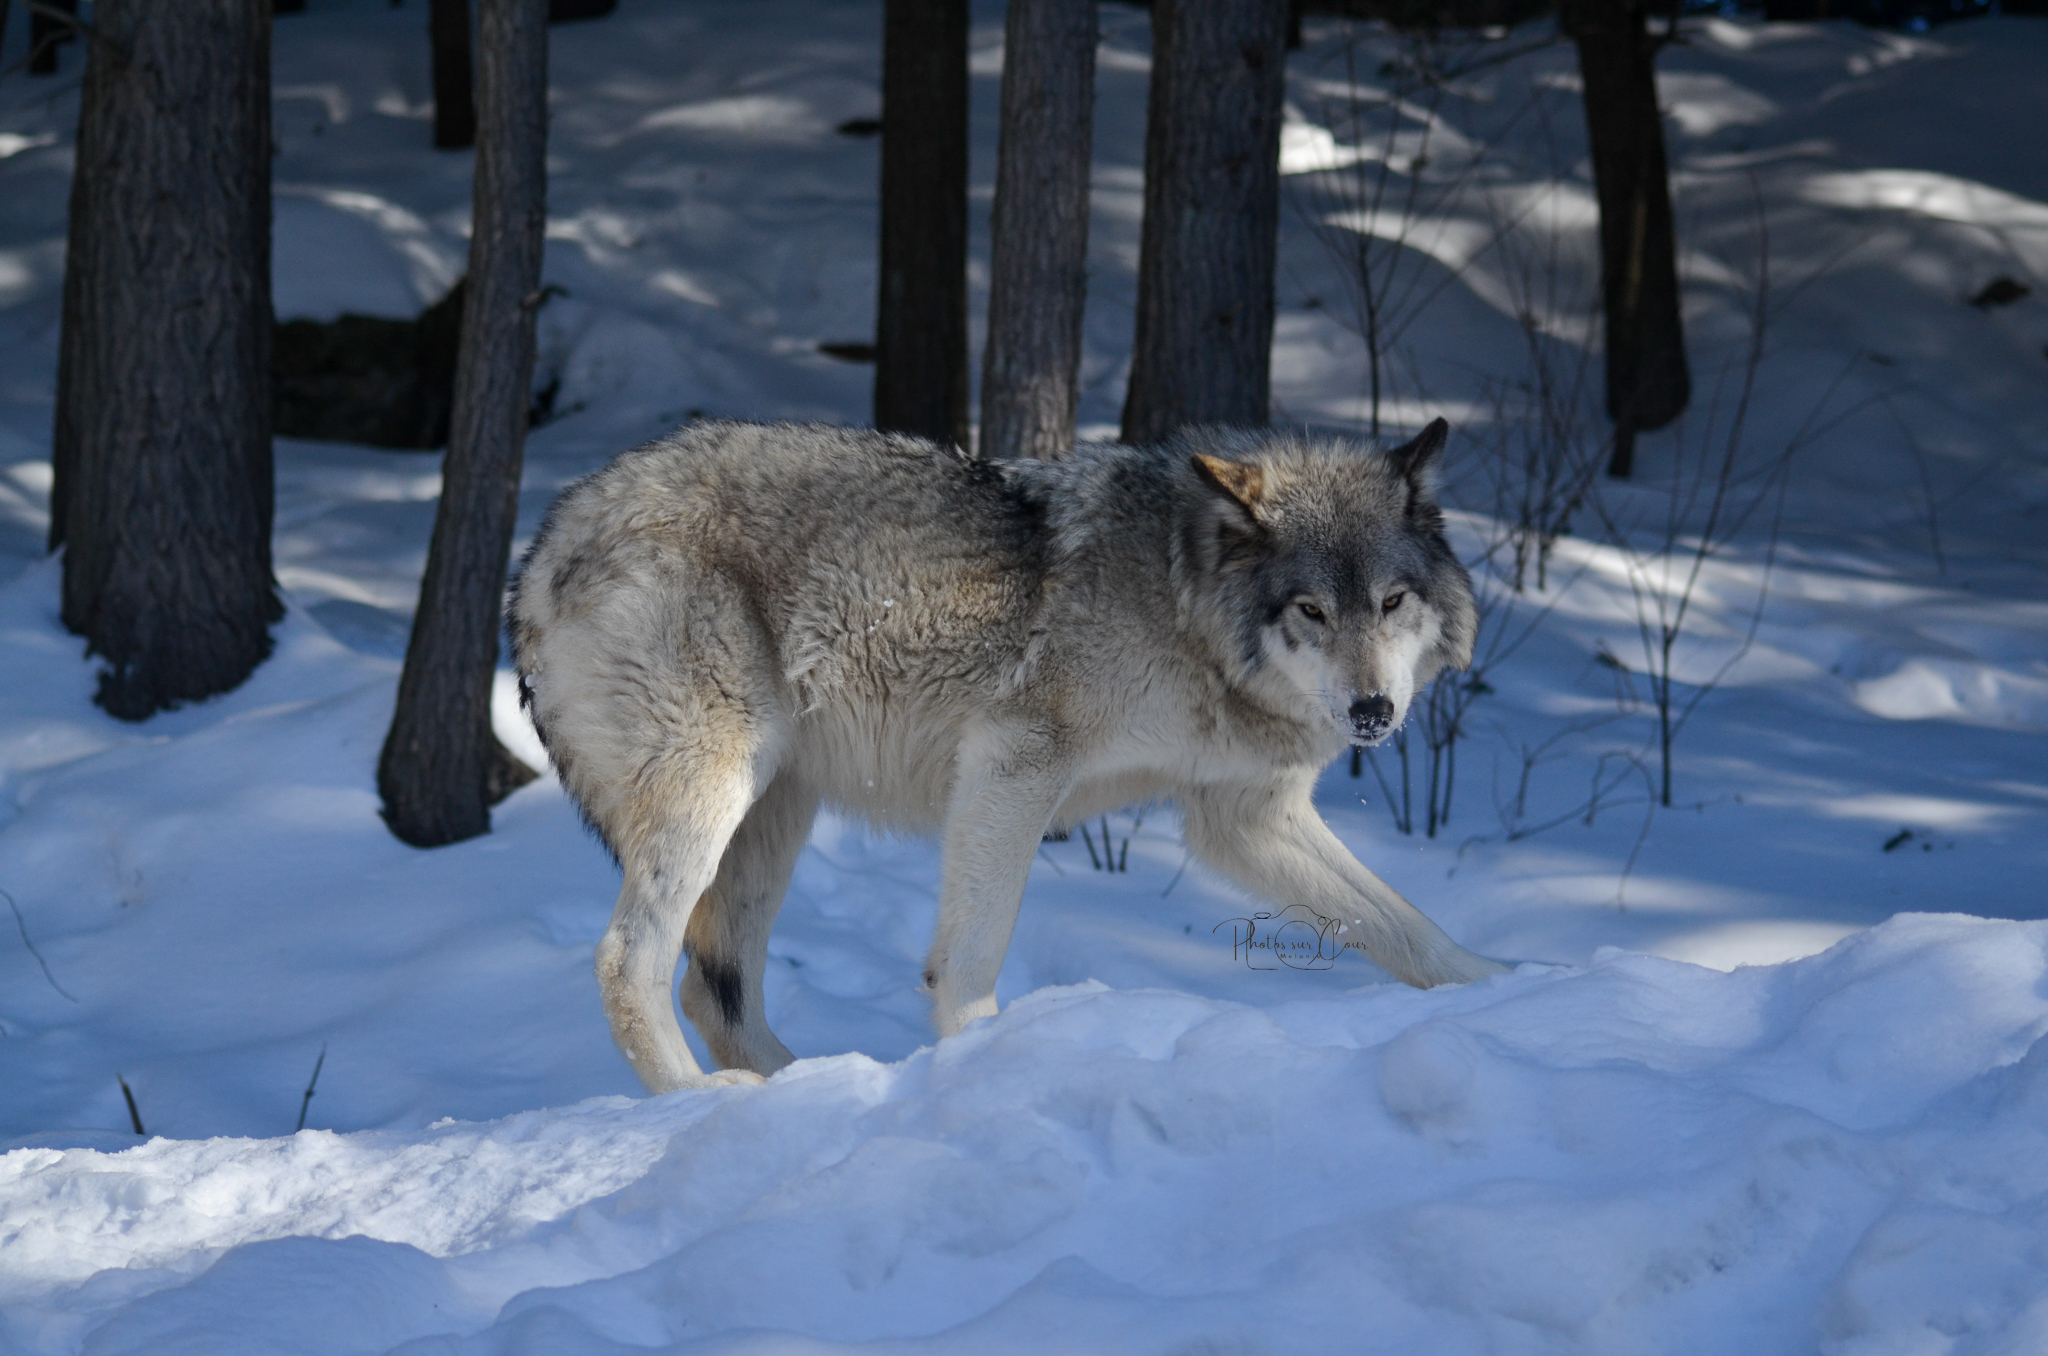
(1769, 1082)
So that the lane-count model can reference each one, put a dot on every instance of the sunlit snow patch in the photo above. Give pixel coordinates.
(1957, 689)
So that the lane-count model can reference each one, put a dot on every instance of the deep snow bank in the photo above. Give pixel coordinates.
(1847, 1153)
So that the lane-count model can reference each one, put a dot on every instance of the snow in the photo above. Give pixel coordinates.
(1631, 1155)
(1769, 1078)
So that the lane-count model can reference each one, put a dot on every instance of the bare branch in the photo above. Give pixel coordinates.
(92, 35)
(22, 924)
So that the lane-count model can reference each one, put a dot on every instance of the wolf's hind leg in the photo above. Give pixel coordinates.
(727, 939)
(692, 808)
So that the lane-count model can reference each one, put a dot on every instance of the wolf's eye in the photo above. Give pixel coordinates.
(1311, 611)
(1393, 601)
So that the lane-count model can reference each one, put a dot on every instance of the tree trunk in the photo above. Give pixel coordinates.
(162, 441)
(1647, 381)
(80, 246)
(1038, 230)
(1204, 347)
(442, 768)
(454, 100)
(921, 313)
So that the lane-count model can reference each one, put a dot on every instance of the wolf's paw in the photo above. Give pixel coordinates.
(730, 1078)
(1467, 968)
(718, 1078)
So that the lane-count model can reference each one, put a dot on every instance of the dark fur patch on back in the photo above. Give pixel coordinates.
(570, 575)
(724, 981)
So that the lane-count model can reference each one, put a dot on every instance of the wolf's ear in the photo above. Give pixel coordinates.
(1412, 459)
(1244, 482)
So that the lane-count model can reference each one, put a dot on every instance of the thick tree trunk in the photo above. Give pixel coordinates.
(1204, 345)
(921, 313)
(454, 99)
(442, 768)
(162, 440)
(71, 334)
(1647, 381)
(1038, 231)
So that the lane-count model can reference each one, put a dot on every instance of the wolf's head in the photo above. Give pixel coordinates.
(1325, 569)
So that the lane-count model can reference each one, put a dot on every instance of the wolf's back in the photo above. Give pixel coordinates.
(777, 569)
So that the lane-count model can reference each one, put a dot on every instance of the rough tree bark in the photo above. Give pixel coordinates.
(921, 312)
(454, 98)
(1648, 384)
(442, 768)
(162, 450)
(1038, 230)
(1203, 353)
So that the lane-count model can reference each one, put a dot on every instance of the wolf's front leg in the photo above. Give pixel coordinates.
(1269, 839)
(1004, 795)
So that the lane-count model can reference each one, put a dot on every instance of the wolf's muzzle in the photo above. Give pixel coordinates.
(1371, 715)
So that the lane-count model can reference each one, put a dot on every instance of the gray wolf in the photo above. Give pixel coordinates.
(726, 628)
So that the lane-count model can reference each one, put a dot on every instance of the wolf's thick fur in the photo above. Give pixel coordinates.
(727, 627)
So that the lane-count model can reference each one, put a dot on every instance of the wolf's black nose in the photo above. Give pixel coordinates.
(1371, 715)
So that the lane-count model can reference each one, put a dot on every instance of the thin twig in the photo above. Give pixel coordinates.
(134, 1116)
(1661, 586)
(1926, 482)
(22, 923)
(1512, 54)
(1628, 868)
(1185, 859)
(1586, 809)
(1346, 205)
(311, 1083)
(73, 22)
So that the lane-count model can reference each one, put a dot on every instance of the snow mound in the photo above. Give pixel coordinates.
(1982, 694)
(1843, 1153)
